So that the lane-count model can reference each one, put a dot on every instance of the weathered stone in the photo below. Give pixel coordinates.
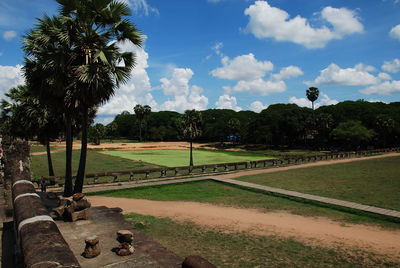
(51, 196)
(78, 196)
(79, 215)
(124, 249)
(125, 236)
(82, 204)
(197, 262)
(92, 247)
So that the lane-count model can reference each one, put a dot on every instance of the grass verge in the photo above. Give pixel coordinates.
(374, 182)
(228, 249)
(223, 194)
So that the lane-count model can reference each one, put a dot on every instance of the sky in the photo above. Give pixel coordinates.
(239, 54)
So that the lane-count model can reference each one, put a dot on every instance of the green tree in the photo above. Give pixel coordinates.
(28, 118)
(100, 66)
(352, 134)
(111, 130)
(141, 113)
(96, 133)
(312, 94)
(191, 128)
(385, 127)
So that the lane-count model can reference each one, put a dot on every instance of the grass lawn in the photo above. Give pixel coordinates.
(174, 158)
(223, 194)
(96, 162)
(244, 250)
(373, 182)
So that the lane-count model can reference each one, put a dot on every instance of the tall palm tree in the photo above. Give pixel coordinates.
(48, 72)
(312, 94)
(191, 123)
(96, 27)
(141, 113)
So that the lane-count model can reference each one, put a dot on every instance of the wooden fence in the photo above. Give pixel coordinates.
(167, 172)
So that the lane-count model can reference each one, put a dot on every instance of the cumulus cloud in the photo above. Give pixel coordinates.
(227, 102)
(141, 7)
(244, 67)
(395, 32)
(10, 76)
(391, 66)
(335, 75)
(137, 89)
(257, 86)
(323, 100)
(8, 35)
(384, 88)
(257, 106)
(186, 96)
(266, 21)
(288, 72)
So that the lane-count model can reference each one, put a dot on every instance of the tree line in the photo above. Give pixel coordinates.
(346, 125)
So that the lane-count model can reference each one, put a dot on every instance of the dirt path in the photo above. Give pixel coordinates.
(311, 230)
(43, 153)
(314, 164)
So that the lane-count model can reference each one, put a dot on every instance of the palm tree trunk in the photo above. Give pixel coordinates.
(68, 156)
(191, 153)
(140, 130)
(82, 161)
(49, 161)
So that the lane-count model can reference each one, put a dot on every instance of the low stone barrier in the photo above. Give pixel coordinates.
(41, 242)
(164, 172)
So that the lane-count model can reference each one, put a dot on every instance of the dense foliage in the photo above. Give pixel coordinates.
(346, 125)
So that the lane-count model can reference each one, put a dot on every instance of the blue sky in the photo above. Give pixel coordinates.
(240, 54)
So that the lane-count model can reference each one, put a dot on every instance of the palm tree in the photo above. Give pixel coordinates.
(191, 122)
(141, 113)
(48, 73)
(312, 95)
(96, 27)
(29, 118)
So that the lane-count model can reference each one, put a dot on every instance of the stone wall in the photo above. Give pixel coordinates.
(41, 243)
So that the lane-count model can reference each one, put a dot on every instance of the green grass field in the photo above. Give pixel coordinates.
(96, 162)
(373, 182)
(174, 158)
(231, 250)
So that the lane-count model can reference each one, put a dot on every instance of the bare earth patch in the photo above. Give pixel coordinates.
(310, 230)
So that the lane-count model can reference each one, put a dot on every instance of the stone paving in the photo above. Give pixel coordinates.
(104, 223)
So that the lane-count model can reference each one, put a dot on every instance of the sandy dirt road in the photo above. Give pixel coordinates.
(311, 230)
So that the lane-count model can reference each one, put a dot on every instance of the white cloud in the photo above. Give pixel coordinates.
(335, 75)
(217, 48)
(322, 101)
(141, 7)
(271, 22)
(257, 86)
(391, 66)
(244, 67)
(8, 35)
(384, 76)
(136, 90)
(385, 88)
(186, 96)
(395, 32)
(10, 76)
(179, 83)
(257, 106)
(227, 102)
(344, 21)
(288, 72)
